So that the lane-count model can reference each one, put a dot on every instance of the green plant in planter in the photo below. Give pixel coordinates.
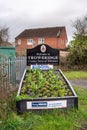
(38, 83)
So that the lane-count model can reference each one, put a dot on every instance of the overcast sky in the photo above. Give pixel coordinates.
(19, 15)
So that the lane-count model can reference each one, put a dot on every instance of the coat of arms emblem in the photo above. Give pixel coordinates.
(43, 48)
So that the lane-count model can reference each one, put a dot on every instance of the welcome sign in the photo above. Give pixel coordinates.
(42, 54)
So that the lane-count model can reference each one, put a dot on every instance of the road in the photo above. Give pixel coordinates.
(79, 82)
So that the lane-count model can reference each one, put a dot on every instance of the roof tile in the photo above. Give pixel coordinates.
(41, 32)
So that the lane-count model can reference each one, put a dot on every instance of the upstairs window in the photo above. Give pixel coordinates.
(40, 40)
(30, 41)
(19, 41)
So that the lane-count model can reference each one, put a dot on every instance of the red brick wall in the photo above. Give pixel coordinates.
(53, 42)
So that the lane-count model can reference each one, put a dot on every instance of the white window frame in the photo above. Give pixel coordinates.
(19, 41)
(41, 40)
(30, 41)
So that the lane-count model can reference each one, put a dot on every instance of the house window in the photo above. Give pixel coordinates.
(40, 40)
(19, 41)
(30, 41)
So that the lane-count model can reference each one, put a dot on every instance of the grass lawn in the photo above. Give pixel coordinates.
(58, 119)
(76, 74)
(55, 120)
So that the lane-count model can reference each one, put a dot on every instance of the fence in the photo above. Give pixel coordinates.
(11, 71)
(20, 67)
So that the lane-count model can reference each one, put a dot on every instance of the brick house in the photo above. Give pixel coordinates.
(55, 37)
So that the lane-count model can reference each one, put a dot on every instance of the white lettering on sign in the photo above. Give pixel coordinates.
(43, 57)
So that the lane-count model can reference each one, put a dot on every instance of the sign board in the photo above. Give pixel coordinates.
(42, 67)
(42, 54)
(46, 104)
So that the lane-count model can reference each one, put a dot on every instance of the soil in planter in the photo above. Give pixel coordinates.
(38, 83)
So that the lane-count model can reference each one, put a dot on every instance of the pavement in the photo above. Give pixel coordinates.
(79, 82)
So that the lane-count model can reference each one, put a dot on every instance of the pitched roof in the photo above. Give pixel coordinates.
(41, 32)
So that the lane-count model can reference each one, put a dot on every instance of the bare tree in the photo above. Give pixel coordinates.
(80, 26)
(78, 46)
(4, 34)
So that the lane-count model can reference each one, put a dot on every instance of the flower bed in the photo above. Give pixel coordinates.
(45, 90)
(38, 83)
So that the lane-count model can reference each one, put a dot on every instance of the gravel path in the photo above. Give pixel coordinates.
(79, 82)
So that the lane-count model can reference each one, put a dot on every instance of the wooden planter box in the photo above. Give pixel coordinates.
(42, 103)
